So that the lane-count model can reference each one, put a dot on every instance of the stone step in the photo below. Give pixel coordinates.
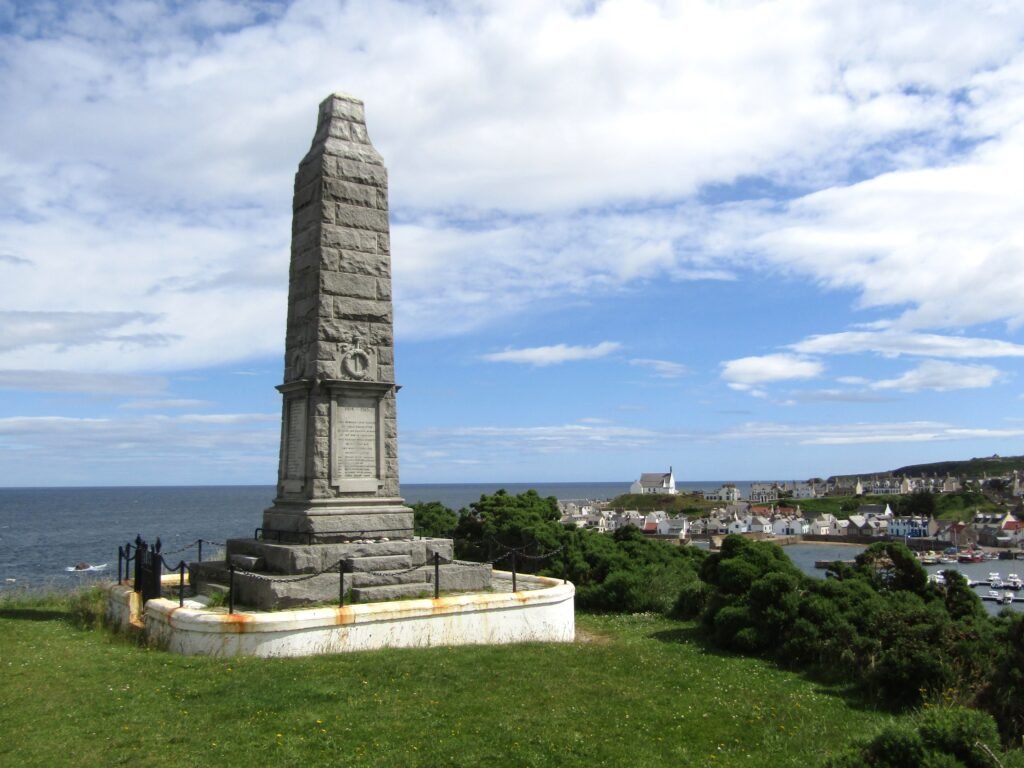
(357, 579)
(313, 558)
(247, 562)
(391, 592)
(382, 563)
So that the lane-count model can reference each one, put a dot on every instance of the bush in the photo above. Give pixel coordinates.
(1003, 694)
(624, 572)
(936, 737)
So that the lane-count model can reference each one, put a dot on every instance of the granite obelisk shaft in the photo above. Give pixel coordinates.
(338, 468)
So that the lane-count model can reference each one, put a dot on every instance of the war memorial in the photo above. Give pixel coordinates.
(335, 565)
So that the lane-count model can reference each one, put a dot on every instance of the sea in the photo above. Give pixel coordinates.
(46, 532)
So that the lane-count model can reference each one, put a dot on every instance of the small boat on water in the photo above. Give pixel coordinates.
(971, 556)
(85, 567)
(928, 558)
(995, 581)
(938, 579)
(948, 559)
(1014, 582)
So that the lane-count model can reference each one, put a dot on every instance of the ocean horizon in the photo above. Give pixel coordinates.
(44, 530)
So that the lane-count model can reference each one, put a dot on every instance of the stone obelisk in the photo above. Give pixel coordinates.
(338, 468)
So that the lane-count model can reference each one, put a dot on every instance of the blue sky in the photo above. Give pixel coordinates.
(747, 240)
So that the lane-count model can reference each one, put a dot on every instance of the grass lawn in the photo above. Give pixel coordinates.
(632, 691)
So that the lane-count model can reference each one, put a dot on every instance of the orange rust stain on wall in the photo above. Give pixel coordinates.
(237, 622)
(344, 615)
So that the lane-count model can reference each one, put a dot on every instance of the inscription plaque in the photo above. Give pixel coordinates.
(357, 439)
(295, 440)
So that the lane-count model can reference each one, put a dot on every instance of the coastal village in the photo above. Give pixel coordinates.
(773, 509)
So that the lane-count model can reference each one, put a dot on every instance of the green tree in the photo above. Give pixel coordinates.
(1003, 695)
(920, 504)
(433, 519)
(891, 566)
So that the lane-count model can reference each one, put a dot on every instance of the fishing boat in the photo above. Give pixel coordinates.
(971, 556)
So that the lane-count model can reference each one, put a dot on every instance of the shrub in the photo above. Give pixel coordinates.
(935, 738)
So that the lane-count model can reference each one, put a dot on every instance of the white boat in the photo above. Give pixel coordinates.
(993, 594)
(1006, 598)
(939, 579)
(1013, 581)
(995, 581)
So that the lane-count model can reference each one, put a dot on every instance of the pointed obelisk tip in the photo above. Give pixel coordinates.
(342, 105)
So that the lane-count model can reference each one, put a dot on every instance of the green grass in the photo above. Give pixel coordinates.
(633, 691)
(677, 504)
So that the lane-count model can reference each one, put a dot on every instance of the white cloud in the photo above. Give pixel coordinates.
(940, 246)
(39, 450)
(880, 433)
(525, 141)
(664, 369)
(893, 343)
(554, 355)
(82, 382)
(942, 376)
(745, 373)
(157, 404)
(496, 441)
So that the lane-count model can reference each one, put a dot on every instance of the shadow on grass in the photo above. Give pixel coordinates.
(823, 680)
(691, 634)
(35, 614)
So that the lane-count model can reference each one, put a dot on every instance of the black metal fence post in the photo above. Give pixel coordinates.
(231, 589)
(341, 583)
(120, 559)
(181, 584)
(200, 550)
(514, 571)
(437, 575)
(140, 546)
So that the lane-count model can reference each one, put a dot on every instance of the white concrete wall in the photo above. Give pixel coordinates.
(542, 612)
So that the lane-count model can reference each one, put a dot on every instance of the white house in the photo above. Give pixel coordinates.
(804, 491)
(763, 493)
(739, 525)
(728, 493)
(673, 526)
(824, 525)
(909, 527)
(790, 526)
(655, 482)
